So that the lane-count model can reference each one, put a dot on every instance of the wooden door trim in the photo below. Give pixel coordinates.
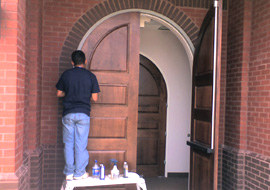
(218, 90)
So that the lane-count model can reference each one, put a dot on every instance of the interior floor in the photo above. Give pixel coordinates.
(170, 183)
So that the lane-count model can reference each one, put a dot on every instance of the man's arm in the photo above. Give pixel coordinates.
(60, 93)
(95, 96)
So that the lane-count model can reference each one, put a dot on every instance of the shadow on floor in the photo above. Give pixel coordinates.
(170, 183)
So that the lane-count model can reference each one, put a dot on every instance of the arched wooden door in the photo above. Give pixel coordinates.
(112, 51)
(152, 120)
(206, 103)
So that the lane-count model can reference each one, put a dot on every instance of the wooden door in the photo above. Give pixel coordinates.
(205, 106)
(112, 51)
(152, 120)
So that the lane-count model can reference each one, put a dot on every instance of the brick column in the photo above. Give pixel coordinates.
(257, 161)
(33, 71)
(239, 34)
(33, 152)
(246, 162)
(12, 82)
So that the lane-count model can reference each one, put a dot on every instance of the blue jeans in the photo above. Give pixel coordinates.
(75, 137)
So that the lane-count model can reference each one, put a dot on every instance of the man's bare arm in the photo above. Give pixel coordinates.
(95, 96)
(60, 93)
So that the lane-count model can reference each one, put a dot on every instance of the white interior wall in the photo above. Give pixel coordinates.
(165, 50)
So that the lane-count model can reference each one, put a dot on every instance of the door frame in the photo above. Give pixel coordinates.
(174, 27)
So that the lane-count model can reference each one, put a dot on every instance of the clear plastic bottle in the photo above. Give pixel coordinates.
(125, 166)
(95, 170)
(102, 172)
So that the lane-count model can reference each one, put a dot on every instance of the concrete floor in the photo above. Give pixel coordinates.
(170, 183)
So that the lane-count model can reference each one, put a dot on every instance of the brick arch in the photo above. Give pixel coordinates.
(107, 7)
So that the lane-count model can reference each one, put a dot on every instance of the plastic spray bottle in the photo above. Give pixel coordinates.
(114, 171)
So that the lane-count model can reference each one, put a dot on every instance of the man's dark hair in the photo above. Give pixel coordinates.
(78, 57)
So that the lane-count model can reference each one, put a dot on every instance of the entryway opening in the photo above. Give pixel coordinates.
(170, 50)
(163, 49)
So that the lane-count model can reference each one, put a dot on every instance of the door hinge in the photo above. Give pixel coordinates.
(165, 133)
(164, 162)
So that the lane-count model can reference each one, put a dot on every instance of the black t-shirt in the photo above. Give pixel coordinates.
(78, 85)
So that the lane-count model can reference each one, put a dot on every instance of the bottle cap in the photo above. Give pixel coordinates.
(114, 161)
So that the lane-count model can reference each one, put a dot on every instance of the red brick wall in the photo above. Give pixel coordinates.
(236, 95)
(12, 68)
(222, 95)
(257, 173)
(58, 18)
(33, 152)
(247, 113)
(8, 67)
(237, 73)
(247, 133)
(33, 74)
(196, 14)
(21, 66)
(258, 135)
(223, 76)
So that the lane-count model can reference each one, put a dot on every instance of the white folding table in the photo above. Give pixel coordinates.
(133, 178)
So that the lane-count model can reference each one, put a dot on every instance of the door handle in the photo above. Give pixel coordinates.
(201, 147)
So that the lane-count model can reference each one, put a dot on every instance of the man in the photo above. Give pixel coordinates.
(77, 86)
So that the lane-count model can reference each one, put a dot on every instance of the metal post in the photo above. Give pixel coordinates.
(216, 2)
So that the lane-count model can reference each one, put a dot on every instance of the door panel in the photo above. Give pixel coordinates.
(152, 105)
(114, 46)
(112, 51)
(204, 162)
(204, 154)
(206, 51)
(102, 127)
(203, 97)
(202, 132)
(152, 120)
(148, 148)
(112, 94)
(105, 156)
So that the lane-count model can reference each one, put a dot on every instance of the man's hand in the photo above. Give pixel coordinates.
(60, 93)
(95, 96)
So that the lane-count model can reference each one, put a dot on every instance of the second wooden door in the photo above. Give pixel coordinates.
(152, 120)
